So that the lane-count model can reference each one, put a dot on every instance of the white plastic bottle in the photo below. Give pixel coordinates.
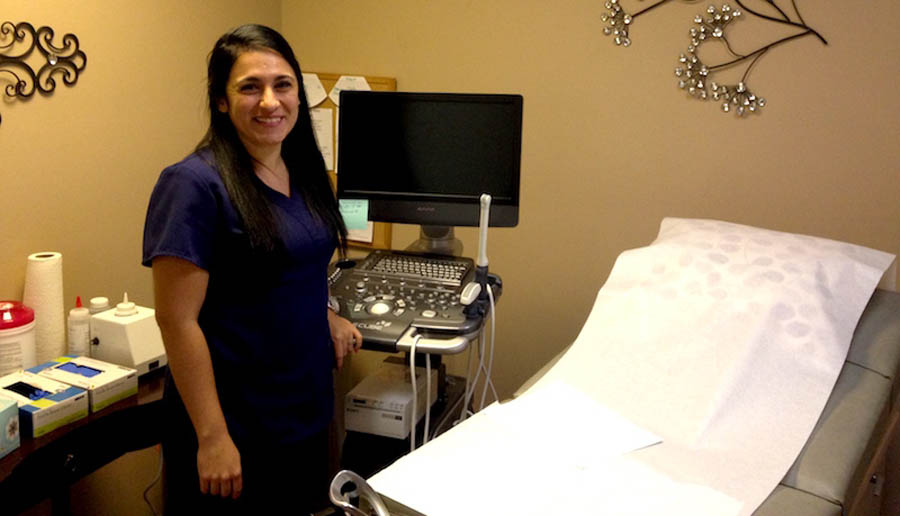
(98, 304)
(78, 328)
(126, 307)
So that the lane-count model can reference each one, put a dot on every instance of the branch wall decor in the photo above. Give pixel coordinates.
(19, 41)
(696, 77)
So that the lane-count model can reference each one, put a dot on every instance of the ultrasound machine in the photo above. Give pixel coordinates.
(438, 160)
(426, 159)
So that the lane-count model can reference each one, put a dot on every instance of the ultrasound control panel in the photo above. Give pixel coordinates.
(390, 291)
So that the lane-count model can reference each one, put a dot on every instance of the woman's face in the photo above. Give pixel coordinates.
(262, 99)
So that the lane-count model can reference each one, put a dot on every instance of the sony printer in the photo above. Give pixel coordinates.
(381, 404)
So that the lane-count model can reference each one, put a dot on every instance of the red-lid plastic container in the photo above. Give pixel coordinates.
(14, 314)
(17, 348)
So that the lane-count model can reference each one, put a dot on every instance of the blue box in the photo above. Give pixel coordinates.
(44, 404)
(106, 383)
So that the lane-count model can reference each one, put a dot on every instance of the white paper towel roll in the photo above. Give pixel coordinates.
(44, 293)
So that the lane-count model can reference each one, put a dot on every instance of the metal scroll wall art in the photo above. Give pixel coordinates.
(17, 45)
(697, 77)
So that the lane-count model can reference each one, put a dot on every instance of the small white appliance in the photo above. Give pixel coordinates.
(128, 335)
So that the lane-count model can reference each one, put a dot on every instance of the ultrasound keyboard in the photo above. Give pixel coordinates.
(391, 291)
(422, 268)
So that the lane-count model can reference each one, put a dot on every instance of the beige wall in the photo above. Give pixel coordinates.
(611, 145)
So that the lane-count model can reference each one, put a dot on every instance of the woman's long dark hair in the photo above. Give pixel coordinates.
(299, 150)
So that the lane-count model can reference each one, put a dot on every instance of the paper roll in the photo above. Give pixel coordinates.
(44, 294)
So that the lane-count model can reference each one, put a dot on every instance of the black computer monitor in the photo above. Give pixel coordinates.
(426, 158)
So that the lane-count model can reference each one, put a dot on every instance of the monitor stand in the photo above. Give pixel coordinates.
(437, 240)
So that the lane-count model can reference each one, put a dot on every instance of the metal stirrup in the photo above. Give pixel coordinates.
(363, 491)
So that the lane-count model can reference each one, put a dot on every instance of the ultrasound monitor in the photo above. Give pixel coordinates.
(426, 158)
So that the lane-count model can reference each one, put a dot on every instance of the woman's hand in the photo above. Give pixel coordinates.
(219, 467)
(345, 337)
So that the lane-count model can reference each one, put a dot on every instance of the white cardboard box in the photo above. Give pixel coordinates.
(106, 383)
(9, 426)
(44, 404)
(381, 404)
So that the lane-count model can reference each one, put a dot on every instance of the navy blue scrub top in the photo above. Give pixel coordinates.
(264, 318)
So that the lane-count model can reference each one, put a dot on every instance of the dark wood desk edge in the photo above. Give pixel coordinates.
(43, 466)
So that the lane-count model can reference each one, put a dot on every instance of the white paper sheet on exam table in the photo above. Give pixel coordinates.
(501, 453)
(723, 339)
(728, 340)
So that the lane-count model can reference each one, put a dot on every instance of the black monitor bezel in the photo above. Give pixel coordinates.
(432, 208)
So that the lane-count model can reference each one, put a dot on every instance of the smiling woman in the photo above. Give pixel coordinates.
(261, 99)
(239, 235)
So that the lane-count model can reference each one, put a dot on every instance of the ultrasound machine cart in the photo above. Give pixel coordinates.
(433, 159)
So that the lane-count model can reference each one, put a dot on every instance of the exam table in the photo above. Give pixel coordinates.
(841, 469)
(724, 369)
